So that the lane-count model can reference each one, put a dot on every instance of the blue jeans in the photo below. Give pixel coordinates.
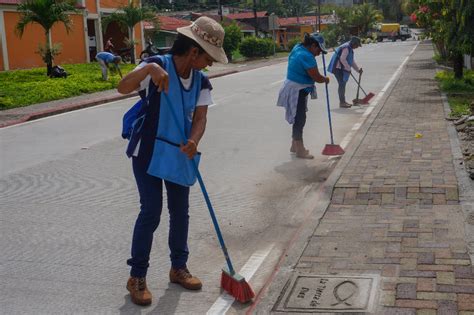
(342, 85)
(300, 117)
(150, 189)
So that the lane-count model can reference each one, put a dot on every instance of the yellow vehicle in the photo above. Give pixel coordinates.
(392, 31)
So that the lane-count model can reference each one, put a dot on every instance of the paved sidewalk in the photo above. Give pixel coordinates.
(36, 111)
(394, 217)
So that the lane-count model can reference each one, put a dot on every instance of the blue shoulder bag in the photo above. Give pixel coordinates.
(134, 117)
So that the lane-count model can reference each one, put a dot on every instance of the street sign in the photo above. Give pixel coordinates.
(272, 22)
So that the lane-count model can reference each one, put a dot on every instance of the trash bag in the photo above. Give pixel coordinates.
(58, 72)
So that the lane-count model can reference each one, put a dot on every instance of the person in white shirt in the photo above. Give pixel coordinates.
(341, 63)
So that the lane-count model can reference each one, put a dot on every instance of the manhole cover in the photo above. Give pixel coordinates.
(327, 293)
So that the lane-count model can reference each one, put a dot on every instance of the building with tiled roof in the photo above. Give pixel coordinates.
(166, 34)
(80, 45)
(246, 15)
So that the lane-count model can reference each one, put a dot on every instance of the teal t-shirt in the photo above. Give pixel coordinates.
(299, 61)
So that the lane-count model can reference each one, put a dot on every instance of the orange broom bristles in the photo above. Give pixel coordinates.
(236, 286)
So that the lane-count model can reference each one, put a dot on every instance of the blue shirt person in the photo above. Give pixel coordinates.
(104, 59)
(302, 73)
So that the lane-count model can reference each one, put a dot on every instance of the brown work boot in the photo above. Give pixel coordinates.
(138, 291)
(185, 279)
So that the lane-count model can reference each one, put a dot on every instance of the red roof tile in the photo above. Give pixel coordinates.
(304, 20)
(167, 23)
(10, 1)
(245, 15)
(225, 19)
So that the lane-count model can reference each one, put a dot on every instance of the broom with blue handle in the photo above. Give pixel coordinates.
(231, 281)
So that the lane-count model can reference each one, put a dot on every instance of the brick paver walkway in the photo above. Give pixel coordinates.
(395, 208)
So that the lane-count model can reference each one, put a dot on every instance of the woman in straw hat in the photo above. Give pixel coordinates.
(167, 84)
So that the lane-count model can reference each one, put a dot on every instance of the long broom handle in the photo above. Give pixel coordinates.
(327, 102)
(358, 86)
(204, 192)
(358, 82)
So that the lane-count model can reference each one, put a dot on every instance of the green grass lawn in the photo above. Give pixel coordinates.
(25, 87)
(460, 92)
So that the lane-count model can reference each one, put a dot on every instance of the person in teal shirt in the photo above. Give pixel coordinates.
(301, 75)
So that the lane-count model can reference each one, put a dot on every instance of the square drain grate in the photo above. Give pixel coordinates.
(309, 293)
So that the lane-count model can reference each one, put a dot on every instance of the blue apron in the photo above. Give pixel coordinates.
(167, 161)
(337, 55)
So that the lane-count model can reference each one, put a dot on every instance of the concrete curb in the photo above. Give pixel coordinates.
(66, 108)
(465, 184)
(266, 301)
(89, 103)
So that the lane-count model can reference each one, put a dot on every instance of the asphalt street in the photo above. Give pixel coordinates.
(69, 201)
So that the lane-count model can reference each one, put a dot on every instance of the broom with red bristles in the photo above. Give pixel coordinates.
(367, 98)
(231, 281)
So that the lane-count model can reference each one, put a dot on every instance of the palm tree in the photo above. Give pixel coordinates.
(129, 16)
(45, 13)
(365, 16)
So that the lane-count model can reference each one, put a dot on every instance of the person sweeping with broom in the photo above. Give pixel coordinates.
(170, 122)
(340, 65)
(301, 75)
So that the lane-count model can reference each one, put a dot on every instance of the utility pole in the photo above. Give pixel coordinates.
(219, 9)
(319, 16)
(255, 16)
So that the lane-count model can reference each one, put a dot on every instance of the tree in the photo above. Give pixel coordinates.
(459, 31)
(129, 16)
(297, 7)
(45, 13)
(451, 25)
(232, 39)
(392, 10)
(271, 6)
(364, 16)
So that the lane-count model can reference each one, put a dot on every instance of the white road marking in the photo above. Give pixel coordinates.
(347, 139)
(225, 301)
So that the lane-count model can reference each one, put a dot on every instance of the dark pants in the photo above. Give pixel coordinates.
(300, 117)
(150, 189)
(342, 85)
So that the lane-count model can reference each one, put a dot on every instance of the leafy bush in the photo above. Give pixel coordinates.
(25, 87)
(459, 105)
(256, 47)
(449, 84)
(330, 35)
(232, 39)
(292, 43)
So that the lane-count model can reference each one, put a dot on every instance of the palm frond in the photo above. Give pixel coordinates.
(130, 15)
(45, 13)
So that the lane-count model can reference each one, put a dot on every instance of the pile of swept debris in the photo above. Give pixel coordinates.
(465, 129)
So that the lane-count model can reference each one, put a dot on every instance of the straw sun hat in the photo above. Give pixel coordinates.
(209, 35)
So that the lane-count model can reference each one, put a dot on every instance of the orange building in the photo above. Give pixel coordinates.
(80, 45)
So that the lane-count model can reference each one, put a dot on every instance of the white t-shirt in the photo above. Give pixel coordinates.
(205, 98)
